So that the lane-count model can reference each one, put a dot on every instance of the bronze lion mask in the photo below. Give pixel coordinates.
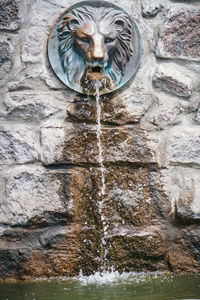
(96, 42)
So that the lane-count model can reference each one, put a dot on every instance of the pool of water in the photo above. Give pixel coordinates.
(106, 286)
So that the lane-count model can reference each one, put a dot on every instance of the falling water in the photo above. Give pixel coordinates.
(102, 168)
(99, 132)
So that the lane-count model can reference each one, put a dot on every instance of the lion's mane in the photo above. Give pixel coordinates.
(73, 64)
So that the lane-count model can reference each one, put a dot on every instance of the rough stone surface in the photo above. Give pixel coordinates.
(18, 144)
(167, 113)
(184, 146)
(172, 80)
(40, 188)
(179, 36)
(30, 106)
(127, 109)
(151, 8)
(183, 191)
(9, 15)
(79, 144)
(33, 45)
(5, 57)
(56, 215)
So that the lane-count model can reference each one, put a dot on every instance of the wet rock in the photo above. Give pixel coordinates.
(50, 251)
(127, 246)
(179, 35)
(128, 198)
(9, 15)
(172, 80)
(184, 146)
(78, 144)
(151, 8)
(30, 106)
(180, 255)
(193, 234)
(126, 108)
(18, 144)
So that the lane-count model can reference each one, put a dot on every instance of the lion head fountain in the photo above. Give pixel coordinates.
(94, 41)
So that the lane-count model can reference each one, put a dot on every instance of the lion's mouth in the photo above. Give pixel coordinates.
(95, 73)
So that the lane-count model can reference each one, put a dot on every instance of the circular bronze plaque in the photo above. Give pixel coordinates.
(95, 44)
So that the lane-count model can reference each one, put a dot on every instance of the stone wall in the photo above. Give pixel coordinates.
(50, 222)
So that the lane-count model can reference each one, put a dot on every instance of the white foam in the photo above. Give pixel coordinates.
(114, 277)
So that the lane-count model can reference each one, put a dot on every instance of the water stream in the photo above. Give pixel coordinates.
(99, 133)
(102, 170)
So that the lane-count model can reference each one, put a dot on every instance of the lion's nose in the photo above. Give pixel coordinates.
(97, 48)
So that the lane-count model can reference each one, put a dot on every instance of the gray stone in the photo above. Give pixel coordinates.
(179, 35)
(182, 186)
(5, 57)
(30, 106)
(197, 116)
(68, 143)
(31, 194)
(184, 146)
(150, 8)
(167, 113)
(9, 15)
(18, 144)
(173, 80)
(34, 41)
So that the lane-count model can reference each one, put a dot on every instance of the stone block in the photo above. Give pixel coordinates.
(128, 198)
(127, 108)
(173, 80)
(29, 106)
(18, 144)
(182, 186)
(137, 249)
(179, 34)
(33, 196)
(167, 113)
(151, 8)
(73, 143)
(184, 146)
(9, 15)
(6, 52)
(34, 42)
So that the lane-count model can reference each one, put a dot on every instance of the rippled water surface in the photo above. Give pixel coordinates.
(106, 286)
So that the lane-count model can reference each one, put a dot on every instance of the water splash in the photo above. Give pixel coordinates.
(113, 277)
(99, 133)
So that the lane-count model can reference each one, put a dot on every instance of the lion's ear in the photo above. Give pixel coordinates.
(119, 25)
(73, 24)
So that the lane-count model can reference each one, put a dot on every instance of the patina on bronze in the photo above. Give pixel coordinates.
(94, 41)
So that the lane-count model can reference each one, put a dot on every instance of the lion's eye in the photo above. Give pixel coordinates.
(108, 40)
(85, 40)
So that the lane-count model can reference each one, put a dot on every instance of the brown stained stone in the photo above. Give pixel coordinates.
(67, 250)
(128, 198)
(9, 14)
(181, 259)
(137, 248)
(127, 108)
(75, 251)
(77, 143)
(179, 37)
